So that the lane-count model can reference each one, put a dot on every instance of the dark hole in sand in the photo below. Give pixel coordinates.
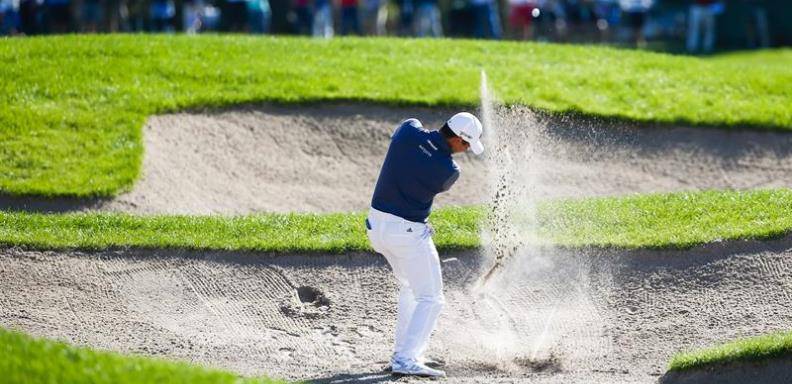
(551, 364)
(313, 296)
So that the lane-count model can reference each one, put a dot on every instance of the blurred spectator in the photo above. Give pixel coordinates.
(192, 16)
(350, 19)
(460, 19)
(608, 13)
(323, 19)
(91, 16)
(114, 16)
(406, 16)
(9, 17)
(29, 22)
(521, 16)
(234, 15)
(302, 17)
(579, 18)
(634, 13)
(57, 16)
(137, 15)
(487, 21)
(375, 17)
(554, 19)
(702, 16)
(427, 19)
(259, 16)
(757, 30)
(162, 13)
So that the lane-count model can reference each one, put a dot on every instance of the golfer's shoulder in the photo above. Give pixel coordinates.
(411, 127)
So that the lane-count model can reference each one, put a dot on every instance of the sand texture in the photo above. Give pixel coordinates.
(326, 158)
(552, 316)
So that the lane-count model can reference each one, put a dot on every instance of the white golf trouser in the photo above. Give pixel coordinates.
(411, 253)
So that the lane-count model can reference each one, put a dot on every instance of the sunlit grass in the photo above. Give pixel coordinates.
(651, 221)
(28, 360)
(750, 349)
(72, 107)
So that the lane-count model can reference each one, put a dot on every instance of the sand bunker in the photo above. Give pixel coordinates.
(326, 158)
(555, 317)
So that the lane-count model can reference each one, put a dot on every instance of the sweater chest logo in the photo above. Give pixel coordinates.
(424, 150)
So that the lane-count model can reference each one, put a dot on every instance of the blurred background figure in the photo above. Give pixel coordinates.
(553, 16)
(350, 18)
(406, 17)
(375, 17)
(635, 14)
(486, 23)
(29, 21)
(234, 16)
(137, 15)
(608, 14)
(323, 19)
(579, 20)
(9, 17)
(192, 15)
(58, 16)
(259, 16)
(702, 17)
(91, 16)
(756, 26)
(303, 18)
(521, 18)
(162, 14)
(427, 19)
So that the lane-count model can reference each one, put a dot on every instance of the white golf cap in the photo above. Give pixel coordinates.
(468, 127)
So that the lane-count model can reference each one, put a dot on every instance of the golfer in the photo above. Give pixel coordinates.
(417, 167)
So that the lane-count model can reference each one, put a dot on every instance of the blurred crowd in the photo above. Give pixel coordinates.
(608, 21)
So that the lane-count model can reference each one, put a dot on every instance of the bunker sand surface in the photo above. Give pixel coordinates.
(326, 158)
(552, 316)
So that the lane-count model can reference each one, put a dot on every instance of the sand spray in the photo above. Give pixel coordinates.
(522, 284)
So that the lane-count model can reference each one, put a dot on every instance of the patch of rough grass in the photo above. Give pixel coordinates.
(651, 221)
(750, 349)
(72, 107)
(24, 359)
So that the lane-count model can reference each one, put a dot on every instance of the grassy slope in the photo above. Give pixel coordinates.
(650, 221)
(32, 361)
(72, 107)
(751, 349)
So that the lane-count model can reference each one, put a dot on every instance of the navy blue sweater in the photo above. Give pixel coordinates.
(417, 167)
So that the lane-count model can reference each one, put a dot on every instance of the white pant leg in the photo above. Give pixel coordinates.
(416, 265)
(420, 266)
(407, 302)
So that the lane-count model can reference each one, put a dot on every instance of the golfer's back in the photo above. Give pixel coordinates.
(417, 167)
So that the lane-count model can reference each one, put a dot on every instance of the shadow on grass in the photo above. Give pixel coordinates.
(41, 204)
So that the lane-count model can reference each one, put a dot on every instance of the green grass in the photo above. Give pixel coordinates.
(28, 360)
(751, 349)
(651, 221)
(72, 107)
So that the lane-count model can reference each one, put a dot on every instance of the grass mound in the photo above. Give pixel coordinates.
(72, 107)
(31, 361)
(649, 221)
(751, 349)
